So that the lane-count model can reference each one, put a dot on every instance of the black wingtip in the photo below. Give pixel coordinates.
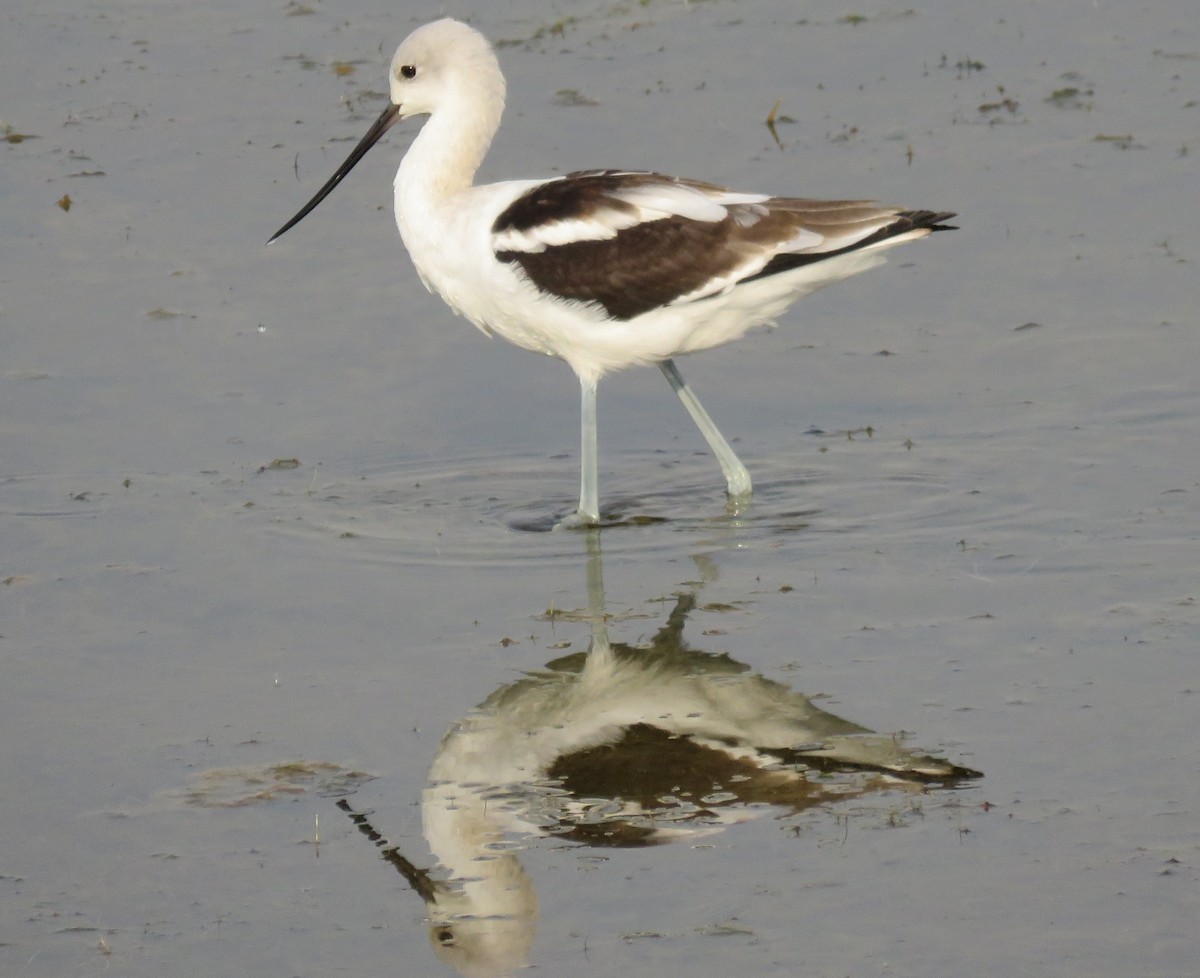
(933, 220)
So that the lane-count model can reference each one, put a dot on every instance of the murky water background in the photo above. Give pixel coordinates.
(1004, 566)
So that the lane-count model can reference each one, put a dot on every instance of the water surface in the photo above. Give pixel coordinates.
(975, 526)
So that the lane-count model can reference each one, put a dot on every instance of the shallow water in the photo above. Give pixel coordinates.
(1003, 567)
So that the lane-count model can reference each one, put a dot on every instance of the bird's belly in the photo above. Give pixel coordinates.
(500, 300)
(594, 343)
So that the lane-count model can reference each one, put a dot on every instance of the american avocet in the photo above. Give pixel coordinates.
(602, 268)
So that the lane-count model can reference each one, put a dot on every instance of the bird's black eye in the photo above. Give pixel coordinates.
(408, 71)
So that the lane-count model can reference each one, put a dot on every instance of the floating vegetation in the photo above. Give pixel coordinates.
(964, 66)
(280, 465)
(1121, 142)
(307, 63)
(14, 137)
(556, 29)
(773, 117)
(235, 787)
(572, 97)
(1009, 105)
(847, 133)
(1070, 97)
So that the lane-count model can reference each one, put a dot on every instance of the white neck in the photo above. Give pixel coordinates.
(443, 159)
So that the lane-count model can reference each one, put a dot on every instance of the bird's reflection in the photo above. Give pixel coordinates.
(622, 746)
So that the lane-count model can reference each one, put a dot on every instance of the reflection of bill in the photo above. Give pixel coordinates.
(482, 920)
(623, 746)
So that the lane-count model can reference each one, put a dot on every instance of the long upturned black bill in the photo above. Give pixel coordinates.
(386, 120)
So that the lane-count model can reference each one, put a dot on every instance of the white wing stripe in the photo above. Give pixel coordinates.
(644, 202)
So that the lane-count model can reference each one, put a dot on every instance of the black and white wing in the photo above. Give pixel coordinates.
(631, 242)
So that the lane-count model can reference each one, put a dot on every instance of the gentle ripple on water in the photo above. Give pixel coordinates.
(474, 510)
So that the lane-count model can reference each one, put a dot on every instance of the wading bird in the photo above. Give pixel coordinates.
(602, 268)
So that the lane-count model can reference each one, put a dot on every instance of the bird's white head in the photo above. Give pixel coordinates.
(445, 62)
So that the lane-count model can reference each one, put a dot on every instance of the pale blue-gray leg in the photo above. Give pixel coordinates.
(737, 479)
(589, 481)
(588, 513)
